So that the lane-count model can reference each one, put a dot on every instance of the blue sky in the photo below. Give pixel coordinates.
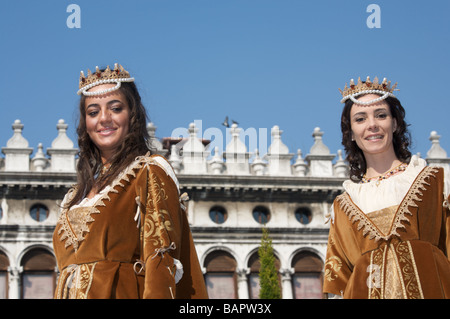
(259, 62)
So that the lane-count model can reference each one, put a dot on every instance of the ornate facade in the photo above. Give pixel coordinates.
(232, 196)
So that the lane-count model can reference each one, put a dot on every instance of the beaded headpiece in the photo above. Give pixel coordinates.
(118, 75)
(384, 89)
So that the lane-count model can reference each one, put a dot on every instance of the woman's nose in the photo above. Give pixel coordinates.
(105, 116)
(373, 125)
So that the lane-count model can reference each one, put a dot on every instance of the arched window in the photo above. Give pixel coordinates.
(261, 214)
(218, 214)
(307, 279)
(39, 212)
(38, 276)
(4, 264)
(220, 275)
(254, 265)
(303, 215)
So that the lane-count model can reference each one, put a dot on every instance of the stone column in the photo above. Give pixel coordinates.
(242, 282)
(286, 283)
(14, 282)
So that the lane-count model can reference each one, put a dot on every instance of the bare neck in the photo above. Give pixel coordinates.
(378, 164)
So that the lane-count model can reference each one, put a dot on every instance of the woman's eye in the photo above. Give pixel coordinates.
(92, 113)
(382, 115)
(117, 108)
(359, 119)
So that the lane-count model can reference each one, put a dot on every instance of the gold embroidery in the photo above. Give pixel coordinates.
(375, 280)
(156, 226)
(331, 240)
(383, 218)
(408, 271)
(75, 281)
(159, 193)
(393, 273)
(354, 215)
(73, 226)
(393, 288)
(412, 196)
(416, 273)
(332, 266)
(155, 221)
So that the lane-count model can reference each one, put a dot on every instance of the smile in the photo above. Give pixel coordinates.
(106, 131)
(374, 137)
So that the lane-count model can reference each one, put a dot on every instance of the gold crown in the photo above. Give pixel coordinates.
(384, 89)
(118, 75)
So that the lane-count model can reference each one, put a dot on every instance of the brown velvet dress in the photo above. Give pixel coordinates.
(397, 252)
(133, 241)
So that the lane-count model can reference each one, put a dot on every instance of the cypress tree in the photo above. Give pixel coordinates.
(268, 275)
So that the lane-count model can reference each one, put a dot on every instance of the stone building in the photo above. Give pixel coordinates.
(233, 194)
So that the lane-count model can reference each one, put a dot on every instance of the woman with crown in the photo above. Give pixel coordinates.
(123, 230)
(390, 229)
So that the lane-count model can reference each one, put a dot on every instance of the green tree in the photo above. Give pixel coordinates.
(268, 275)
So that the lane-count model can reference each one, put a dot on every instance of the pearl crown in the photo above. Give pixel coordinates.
(118, 75)
(384, 89)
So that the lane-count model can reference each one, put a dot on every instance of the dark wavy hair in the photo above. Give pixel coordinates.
(89, 156)
(354, 155)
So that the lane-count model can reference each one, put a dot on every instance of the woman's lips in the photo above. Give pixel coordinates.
(106, 131)
(374, 137)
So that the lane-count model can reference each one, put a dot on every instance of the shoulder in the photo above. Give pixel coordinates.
(149, 162)
(336, 207)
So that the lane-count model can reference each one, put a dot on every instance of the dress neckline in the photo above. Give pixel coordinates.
(355, 213)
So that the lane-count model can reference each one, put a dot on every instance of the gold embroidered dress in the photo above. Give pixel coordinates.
(132, 240)
(391, 240)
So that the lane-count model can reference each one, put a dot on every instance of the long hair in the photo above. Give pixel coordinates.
(89, 156)
(401, 139)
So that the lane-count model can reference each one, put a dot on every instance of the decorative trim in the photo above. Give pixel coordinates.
(413, 260)
(355, 214)
(77, 281)
(73, 227)
(332, 266)
(376, 269)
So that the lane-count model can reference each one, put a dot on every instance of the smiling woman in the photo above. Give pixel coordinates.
(103, 149)
(122, 231)
(390, 228)
(372, 128)
(107, 120)
(367, 128)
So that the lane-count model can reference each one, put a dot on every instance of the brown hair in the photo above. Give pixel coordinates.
(89, 159)
(401, 139)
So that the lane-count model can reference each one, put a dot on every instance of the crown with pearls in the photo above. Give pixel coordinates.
(118, 75)
(384, 89)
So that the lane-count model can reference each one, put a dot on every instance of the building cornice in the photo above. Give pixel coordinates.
(261, 188)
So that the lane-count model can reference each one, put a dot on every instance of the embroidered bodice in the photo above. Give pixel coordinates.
(131, 240)
(391, 240)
